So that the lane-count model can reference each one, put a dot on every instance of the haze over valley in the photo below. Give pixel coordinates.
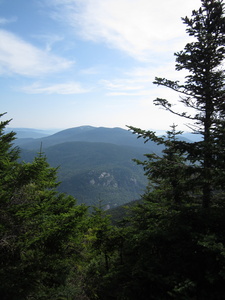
(95, 163)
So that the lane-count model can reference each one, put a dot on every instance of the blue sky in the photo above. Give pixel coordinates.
(68, 63)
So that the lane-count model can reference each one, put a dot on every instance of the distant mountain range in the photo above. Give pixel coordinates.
(31, 133)
(95, 163)
(117, 136)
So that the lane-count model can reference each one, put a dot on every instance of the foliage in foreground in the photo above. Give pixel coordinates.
(40, 229)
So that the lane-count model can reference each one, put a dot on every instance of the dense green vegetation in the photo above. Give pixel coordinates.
(169, 245)
(92, 171)
(40, 229)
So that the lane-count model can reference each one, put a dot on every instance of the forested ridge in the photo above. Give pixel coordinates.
(168, 245)
(93, 171)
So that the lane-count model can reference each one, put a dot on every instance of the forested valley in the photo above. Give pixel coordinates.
(170, 243)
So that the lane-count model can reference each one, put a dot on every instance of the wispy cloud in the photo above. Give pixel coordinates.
(123, 87)
(61, 88)
(133, 82)
(5, 21)
(135, 93)
(49, 40)
(121, 84)
(138, 27)
(139, 81)
(19, 57)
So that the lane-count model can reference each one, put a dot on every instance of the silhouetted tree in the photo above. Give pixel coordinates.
(203, 92)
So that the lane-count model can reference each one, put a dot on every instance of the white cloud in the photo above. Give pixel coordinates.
(135, 93)
(135, 82)
(4, 21)
(20, 57)
(127, 86)
(165, 70)
(61, 88)
(121, 84)
(49, 40)
(137, 27)
(139, 81)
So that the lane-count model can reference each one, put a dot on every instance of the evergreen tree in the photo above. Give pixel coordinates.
(169, 181)
(175, 249)
(40, 229)
(203, 92)
(104, 253)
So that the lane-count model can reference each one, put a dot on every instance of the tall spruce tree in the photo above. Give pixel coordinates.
(202, 92)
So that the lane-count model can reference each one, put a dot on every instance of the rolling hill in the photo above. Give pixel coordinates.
(96, 171)
(116, 136)
(95, 163)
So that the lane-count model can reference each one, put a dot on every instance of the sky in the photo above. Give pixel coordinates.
(69, 63)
